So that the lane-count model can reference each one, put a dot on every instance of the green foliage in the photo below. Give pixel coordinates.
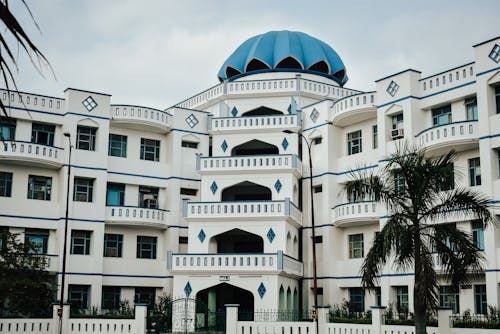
(344, 313)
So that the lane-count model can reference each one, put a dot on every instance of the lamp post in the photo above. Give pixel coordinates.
(63, 274)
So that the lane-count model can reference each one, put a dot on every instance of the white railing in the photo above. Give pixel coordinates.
(255, 123)
(354, 103)
(141, 115)
(243, 209)
(448, 134)
(254, 327)
(203, 97)
(26, 151)
(38, 326)
(136, 215)
(89, 325)
(249, 163)
(32, 101)
(445, 80)
(355, 212)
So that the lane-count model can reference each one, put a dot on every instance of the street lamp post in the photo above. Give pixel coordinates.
(63, 274)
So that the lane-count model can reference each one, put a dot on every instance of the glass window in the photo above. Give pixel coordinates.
(318, 188)
(145, 296)
(7, 129)
(441, 115)
(397, 127)
(378, 296)
(356, 246)
(117, 146)
(5, 184)
(85, 138)
(478, 234)
(39, 240)
(146, 247)
(189, 144)
(497, 98)
(471, 108)
(375, 136)
(402, 299)
(189, 191)
(148, 197)
(80, 242)
(115, 194)
(43, 134)
(317, 140)
(480, 299)
(83, 189)
(110, 297)
(447, 181)
(150, 149)
(78, 296)
(357, 299)
(354, 144)
(113, 244)
(475, 172)
(449, 297)
(39, 187)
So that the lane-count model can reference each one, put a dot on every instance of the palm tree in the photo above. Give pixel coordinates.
(419, 194)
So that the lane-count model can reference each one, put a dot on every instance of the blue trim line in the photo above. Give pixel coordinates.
(176, 226)
(155, 177)
(490, 40)
(447, 90)
(316, 126)
(488, 71)
(446, 71)
(359, 277)
(195, 132)
(86, 167)
(340, 173)
(489, 136)
(116, 275)
(34, 110)
(398, 100)
(317, 226)
(403, 71)
(52, 219)
(86, 115)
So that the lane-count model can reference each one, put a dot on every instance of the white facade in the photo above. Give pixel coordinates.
(246, 221)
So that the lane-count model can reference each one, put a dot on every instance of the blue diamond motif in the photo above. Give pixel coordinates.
(214, 187)
(188, 289)
(202, 235)
(234, 111)
(224, 145)
(278, 186)
(284, 143)
(261, 290)
(271, 235)
(314, 115)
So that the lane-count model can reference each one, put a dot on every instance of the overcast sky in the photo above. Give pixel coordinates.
(157, 53)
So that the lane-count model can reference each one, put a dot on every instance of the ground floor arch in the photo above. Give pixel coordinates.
(217, 296)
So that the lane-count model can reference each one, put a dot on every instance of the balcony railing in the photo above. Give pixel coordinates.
(249, 163)
(255, 123)
(234, 262)
(141, 117)
(463, 132)
(356, 213)
(47, 156)
(132, 215)
(353, 109)
(251, 210)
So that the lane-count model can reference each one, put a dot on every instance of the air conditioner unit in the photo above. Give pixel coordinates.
(397, 133)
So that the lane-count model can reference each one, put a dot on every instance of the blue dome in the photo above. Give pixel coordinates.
(284, 51)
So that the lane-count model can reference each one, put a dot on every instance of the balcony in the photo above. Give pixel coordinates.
(354, 109)
(244, 210)
(136, 216)
(263, 263)
(253, 163)
(255, 123)
(141, 118)
(461, 136)
(356, 213)
(27, 153)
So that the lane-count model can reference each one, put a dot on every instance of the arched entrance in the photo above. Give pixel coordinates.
(246, 191)
(254, 147)
(237, 241)
(262, 111)
(217, 296)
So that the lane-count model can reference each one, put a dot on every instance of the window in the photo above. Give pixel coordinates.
(110, 297)
(357, 299)
(353, 196)
(85, 138)
(478, 234)
(38, 239)
(442, 115)
(146, 247)
(402, 299)
(475, 172)
(497, 98)
(117, 146)
(148, 197)
(39, 187)
(495, 54)
(145, 296)
(115, 194)
(5, 184)
(356, 247)
(113, 244)
(449, 297)
(471, 108)
(375, 136)
(397, 127)
(80, 242)
(378, 296)
(189, 191)
(4, 231)
(183, 240)
(78, 296)
(83, 189)
(189, 144)
(317, 140)
(42, 134)
(150, 149)
(354, 144)
(318, 188)
(7, 129)
(480, 299)
(447, 181)
(318, 239)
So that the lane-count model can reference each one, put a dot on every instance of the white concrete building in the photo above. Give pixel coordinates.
(209, 199)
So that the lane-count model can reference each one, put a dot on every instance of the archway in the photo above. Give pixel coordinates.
(238, 241)
(254, 147)
(262, 111)
(282, 302)
(217, 296)
(289, 302)
(246, 191)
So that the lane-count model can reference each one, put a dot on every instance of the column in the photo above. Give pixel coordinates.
(231, 318)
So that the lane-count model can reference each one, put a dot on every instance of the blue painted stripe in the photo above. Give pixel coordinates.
(316, 126)
(116, 275)
(177, 226)
(398, 100)
(155, 177)
(87, 115)
(188, 131)
(488, 71)
(341, 173)
(359, 277)
(317, 226)
(489, 136)
(449, 89)
(52, 218)
(86, 167)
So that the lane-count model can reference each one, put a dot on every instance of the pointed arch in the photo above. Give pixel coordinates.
(254, 147)
(282, 303)
(262, 111)
(289, 301)
(246, 191)
(320, 66)
(290, 62)
(256, 65)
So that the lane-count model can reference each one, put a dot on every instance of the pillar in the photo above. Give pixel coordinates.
(231, 318)
(60, 317)
(141, 312)
(323, 318)
(444, 314)
(377, 318)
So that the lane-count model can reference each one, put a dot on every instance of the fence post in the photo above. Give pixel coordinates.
(444, 314)
(141, 313)
(377, 318)
(323, 318)
(231, 318)
(57, 321)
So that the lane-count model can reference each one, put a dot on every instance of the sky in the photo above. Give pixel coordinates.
(156, 53)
